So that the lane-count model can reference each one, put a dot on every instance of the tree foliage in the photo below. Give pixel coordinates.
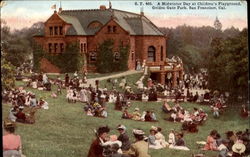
(69, 61)
(18, 43)
(7, 74)
(192, 44)
(228, 65)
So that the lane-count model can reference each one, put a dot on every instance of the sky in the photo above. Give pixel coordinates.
(20, 14)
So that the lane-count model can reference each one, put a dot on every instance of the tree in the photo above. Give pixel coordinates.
(227, 66)
(7, 74)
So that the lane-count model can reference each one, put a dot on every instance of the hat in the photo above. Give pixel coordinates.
(137, 109)
(154, 128)
(239, 148)
(21, 107)
(138, 132)
(121, 127)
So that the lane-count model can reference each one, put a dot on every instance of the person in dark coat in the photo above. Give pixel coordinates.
(96, 150)
(124, 138)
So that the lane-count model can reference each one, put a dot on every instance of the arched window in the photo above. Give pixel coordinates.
(92, 56)
(117, 56)
(151, 53)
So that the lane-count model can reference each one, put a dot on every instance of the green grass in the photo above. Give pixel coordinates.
(65, 131)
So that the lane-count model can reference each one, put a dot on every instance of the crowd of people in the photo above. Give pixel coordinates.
(24, 105)
(122, 146)
(235, 144)
(189, 121)
(146, 116)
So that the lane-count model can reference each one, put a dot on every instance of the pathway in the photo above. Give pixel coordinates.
(92, 80)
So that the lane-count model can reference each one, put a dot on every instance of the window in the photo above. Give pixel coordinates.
(55, 47)
(133, 56)
(84, 47)
(114, 29)
(117, 56)
(151, 53)
(50, 47)
(61, 30)
(81, 47)
(56, 30)
(109, 29)
(61, 47)
(92, 56)
(50, 30)
(162, 53)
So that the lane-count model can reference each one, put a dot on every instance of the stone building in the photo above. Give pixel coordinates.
(93, 26)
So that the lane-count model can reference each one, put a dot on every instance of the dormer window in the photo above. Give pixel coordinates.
(109, 29)
(56, 31)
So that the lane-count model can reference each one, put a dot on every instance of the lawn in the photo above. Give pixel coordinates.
(65, 131)
(89, 75)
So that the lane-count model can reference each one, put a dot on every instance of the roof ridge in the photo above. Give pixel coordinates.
(84, 10)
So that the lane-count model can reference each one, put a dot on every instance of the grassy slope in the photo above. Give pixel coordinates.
(64, 130)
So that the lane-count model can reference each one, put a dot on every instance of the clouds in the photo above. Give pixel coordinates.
(19, 14)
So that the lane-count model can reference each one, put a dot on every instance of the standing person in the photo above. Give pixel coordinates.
(96, 150)
(124, 138)
(66, 80)
(140, 147)
(11, 141)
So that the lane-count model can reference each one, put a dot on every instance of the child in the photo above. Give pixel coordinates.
(171, 137)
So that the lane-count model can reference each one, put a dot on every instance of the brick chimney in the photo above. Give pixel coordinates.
(102, 7)
(60, 10)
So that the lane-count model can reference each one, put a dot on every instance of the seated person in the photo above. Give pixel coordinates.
(89, 112)
(153, 143)
(211, 141)
(136, 114)
(223, 150)
(20, 115)
(148, 116)
(171, 137)
(153, 116)
(179, 143)
(144, 97)
(173, 117)
(126, 115)
(166, 107)
(160, 137)
(179, 140)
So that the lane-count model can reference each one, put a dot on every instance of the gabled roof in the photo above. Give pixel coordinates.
(135, 24)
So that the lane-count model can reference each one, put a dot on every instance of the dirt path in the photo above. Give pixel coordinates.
(92, 80)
